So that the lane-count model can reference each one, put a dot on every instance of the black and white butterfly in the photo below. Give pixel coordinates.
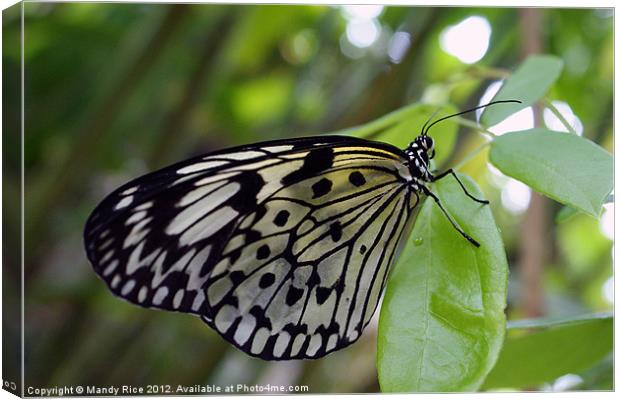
(283, 247)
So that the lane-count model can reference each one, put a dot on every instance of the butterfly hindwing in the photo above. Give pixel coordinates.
(283, 247)
(302, 275)
(311, 289)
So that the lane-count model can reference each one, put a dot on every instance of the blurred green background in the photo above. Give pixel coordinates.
(113, 91)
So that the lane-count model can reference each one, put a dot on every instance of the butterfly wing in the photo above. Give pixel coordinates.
(283, 247)
(157, 237)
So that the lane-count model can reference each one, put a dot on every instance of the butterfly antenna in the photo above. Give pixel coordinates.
(424, 132)
(428, 120)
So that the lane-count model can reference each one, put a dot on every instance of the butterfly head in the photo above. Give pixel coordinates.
(427, 144)
(419, 152)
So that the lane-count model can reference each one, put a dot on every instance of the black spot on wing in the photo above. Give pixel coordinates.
(263, 252)
(235, 255)
(315, 162)
(335, 231)
(322, 293)
(314, 279)
(230, 300)
(244, 200)
(321, 188)
(267, 280)
(357, 179)
(252, 235)
(281, 218)
(261, 319)
(237, 277)
(293, 295)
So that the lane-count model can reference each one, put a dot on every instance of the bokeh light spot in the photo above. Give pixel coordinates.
(363, 33)
(521, 120)
(607, 221)
(367, 11)
(608, 290)
(399, 44)
(566, 382)
(363, 27)
(496, 177)
(468, 40)
(554, 123)
(516, 196)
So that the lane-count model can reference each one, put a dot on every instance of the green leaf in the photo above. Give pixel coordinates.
(528, 84)
(566, 213)
(407, 130)
(568, 168)
(442, 319)
(402, 126)
(553, 349)
(402, 129)
(372, 129)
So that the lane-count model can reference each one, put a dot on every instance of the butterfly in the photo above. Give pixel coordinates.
(282, 247)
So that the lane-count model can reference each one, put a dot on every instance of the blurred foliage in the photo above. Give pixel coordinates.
(552, 349)
(116, 90)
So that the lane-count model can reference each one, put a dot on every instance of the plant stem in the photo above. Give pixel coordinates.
(478, 73)
(390, 119)
(475, 126)
(559, 115)
(533, 237)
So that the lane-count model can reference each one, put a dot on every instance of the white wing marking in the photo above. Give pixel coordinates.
(124, 203)
(200, 208)
(208, 226)
(200, 166)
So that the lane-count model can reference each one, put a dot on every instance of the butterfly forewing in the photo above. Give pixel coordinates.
(282, 247)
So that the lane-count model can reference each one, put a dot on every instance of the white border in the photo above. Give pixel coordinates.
(478, 3)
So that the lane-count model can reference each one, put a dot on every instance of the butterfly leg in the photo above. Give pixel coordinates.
(451, 172)
(454, 224)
